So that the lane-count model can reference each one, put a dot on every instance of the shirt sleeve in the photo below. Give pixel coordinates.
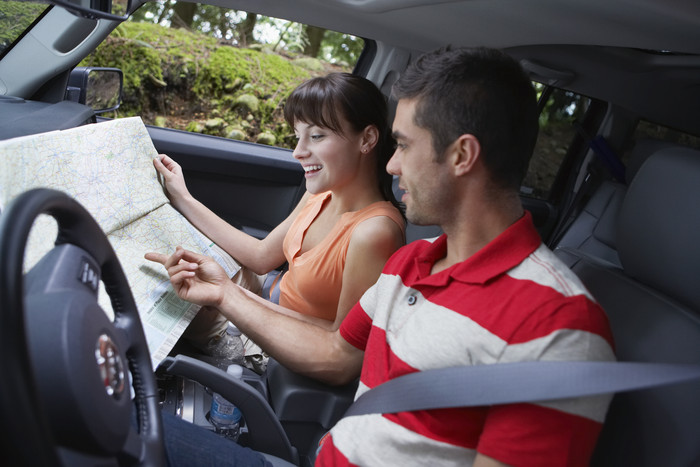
(356, 326)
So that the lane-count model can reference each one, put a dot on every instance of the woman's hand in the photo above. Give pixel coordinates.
(195, 278)
(173, 179)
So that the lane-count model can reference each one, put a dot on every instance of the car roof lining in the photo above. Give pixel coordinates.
(426, 24)
(629, 78)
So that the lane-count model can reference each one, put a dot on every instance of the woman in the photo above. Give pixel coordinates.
(345, 227)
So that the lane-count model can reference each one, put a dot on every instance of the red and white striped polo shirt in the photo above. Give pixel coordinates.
(512, 301)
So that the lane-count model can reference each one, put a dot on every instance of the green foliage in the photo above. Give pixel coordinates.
(15, 17)
(223, 67)
(341, 48)
(235, 75)
(150, 12)
(561, 106)
(188, 80)
(184, 79)
(217, 21)
(279, 34)
(211, 20)
(151, 57)
(310, 63)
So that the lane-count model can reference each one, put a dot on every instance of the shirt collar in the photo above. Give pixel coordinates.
(501, 254)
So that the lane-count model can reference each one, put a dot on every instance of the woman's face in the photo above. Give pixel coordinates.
(330, 160)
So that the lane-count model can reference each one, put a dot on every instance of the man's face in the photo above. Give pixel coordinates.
(420, 176)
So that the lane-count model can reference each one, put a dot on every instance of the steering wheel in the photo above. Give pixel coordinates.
(65, 394)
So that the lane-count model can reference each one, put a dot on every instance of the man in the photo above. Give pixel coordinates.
(487, 291)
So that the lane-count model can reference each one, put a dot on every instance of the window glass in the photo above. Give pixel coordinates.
(15, 19)
(221, 72)
(649, 130)
(557, 130)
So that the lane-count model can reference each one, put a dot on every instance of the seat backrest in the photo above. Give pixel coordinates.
(653, 303)
(594, 230)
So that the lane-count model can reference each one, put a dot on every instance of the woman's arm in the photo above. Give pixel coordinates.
(260, 256)
(372, 243)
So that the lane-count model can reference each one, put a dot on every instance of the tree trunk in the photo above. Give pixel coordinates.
(183, 15)
(314, 36)
(245, 29)
(164, 13)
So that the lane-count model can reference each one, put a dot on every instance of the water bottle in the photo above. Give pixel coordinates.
(237, 344)
(227, 346)
(224, 415)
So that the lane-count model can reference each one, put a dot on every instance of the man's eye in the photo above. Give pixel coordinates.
(399, 146)
(316, 137)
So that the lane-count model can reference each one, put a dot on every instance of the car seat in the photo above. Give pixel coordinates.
(594, 229)
(653, 303)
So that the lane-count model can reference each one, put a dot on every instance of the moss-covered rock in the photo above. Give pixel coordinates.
(246, 103)
(232, 86)
(266, 138)
(214, 125)
(309, 63)
(232, 132)
(195, 127)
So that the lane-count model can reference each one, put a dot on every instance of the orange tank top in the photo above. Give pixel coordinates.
(313, 283)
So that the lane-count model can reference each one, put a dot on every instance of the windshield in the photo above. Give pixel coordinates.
(15, 19)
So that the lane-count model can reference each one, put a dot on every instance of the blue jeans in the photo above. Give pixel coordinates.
(188, 445)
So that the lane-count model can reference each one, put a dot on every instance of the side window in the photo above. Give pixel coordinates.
(560, 110)
(649, 130)
(220, 72)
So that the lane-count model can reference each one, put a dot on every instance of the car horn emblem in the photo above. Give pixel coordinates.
(110, 365)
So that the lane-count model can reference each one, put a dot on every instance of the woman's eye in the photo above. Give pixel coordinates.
(316, 137)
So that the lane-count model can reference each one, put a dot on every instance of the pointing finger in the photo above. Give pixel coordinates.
(156, 257)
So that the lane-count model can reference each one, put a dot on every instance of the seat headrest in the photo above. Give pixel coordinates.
(641, 151)
(659, 225)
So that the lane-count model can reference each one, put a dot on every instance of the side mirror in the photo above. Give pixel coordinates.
(98, 88)
(115, 10)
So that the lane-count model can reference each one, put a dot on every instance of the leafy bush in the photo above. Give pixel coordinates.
(15, 17)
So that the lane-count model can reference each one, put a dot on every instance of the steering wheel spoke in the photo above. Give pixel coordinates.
(133, 448)
(78, 364)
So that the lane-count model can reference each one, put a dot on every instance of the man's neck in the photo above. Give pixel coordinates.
(468, 234)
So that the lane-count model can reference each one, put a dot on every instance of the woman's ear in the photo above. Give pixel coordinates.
(370, 137)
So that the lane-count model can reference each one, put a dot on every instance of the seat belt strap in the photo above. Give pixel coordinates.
(601, 148)
(508, 383)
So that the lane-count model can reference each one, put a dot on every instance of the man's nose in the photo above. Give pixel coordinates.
(394, 165)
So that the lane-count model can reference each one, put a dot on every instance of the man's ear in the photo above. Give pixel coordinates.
(370, 137)
(466, 150)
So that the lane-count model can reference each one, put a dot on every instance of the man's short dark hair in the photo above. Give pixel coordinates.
(478, 91)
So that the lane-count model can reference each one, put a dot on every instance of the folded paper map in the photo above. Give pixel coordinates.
(108, 168)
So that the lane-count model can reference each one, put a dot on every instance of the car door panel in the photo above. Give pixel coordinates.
(251, 186)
